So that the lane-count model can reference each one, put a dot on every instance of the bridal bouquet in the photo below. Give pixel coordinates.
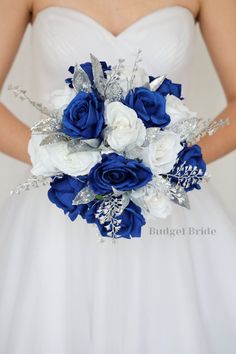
(117, 147)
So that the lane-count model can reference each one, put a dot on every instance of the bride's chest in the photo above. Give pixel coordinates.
(62, 37)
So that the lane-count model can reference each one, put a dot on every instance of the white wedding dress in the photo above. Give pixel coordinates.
(62, 291)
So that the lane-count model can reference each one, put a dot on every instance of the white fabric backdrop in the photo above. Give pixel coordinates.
(206, 97)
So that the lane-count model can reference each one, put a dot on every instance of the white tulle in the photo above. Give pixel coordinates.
(64, 292)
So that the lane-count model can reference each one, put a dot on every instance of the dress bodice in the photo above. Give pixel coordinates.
(62, 37)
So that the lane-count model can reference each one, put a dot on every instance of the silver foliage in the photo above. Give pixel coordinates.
(54, 138)
(85, 196)
(178, 195)
(111, 207)
(115, 92)
(98, 75)
(47, 126)
(187, 175)
(184, 128)
(206, 126)
(112, 89)
(137, 61)
(22, 95)
(81, 80)
(174, 191)
(151, 134)
(31, 182)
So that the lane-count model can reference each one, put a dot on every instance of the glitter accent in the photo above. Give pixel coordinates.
(31, 182)
(22, 95)
(81, 80)
(85, 196)
(111, 207)
(99, 79)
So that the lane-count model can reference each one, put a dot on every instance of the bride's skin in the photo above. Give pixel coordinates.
(217, 20)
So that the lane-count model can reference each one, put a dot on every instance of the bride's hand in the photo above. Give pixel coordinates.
(14, 135)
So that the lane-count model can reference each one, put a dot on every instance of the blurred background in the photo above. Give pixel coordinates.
(206, 97)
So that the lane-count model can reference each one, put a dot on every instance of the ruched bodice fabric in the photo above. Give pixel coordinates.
(62, 37)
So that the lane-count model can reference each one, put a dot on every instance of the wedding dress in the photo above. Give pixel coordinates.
(62, 291)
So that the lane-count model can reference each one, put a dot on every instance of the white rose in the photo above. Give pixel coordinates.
(158, 205)
(74, 164)
(124, 129)
(60, 99)
(177, 110)
(161, 154)
(141, 78)
(42, 164)
(153, 203)
(51, 159)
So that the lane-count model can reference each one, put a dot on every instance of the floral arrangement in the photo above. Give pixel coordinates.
(117, 146)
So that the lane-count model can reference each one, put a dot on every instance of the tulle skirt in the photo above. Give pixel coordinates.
(63, 291)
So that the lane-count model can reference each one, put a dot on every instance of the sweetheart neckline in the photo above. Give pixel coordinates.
(98, 24)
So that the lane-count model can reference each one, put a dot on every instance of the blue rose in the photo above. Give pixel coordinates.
(64, 190)
(191, 156)
(116, 171)
(131, 224)
(84, 116)
(87, 67)
(168, 88)
(149, 106)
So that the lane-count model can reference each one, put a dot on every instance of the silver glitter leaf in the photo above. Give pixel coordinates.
(184, 128)
(151, 134)
(46, 126)
(53, 139)
(81, 80)
(114, 92)
(178, 195)
(76, 145)
(99, 79)
(206, 126)
(85, 196)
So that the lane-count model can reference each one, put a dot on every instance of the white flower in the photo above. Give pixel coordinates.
(161, 154)
(141, 78)
(51, 159)
(159, 205)
(60, 99)
(153, 203)
(41, 162)
(124, 129)
(74, 164)
(177, 110)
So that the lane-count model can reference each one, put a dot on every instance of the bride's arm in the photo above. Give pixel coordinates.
(14, 17)
(218, 25)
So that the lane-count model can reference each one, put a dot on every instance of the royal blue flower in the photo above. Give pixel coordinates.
(168, 88)
(149, 106)
(84, 116)
(131, 224)
(191, 156)
(87, 67)
(116, 171)
(64, 190)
